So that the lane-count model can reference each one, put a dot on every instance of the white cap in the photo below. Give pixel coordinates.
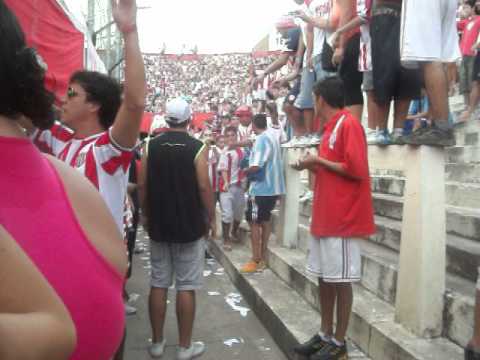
(178, 111)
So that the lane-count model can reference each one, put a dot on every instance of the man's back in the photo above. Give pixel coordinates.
(175, 210)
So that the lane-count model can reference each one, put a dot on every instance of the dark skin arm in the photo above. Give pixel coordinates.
(272, 68)
(298, 63)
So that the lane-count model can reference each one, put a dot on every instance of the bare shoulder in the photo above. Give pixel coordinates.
(93, 215)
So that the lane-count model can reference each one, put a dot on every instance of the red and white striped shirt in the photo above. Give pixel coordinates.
(98, 157)
(230, 162)
(364, 11)
(213, 157)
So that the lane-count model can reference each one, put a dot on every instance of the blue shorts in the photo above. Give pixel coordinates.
(305, 98)
(309, 78)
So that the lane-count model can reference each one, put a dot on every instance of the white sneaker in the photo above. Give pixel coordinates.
(308, 196)
(315, 139)
(294, 142)
(372, 137)
(156, 349)
(196, 349)
(130, 310)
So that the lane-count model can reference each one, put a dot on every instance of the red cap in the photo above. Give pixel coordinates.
(243, 110)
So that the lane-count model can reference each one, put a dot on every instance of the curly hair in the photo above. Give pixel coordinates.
(102, 90)
(22, 77)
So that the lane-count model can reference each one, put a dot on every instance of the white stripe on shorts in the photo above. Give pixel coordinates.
(335, 259)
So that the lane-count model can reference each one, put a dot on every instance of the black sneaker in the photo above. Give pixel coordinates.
(433, 136)
(316, 343)
(470, 354)
(331, 352)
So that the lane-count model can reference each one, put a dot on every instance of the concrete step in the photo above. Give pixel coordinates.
(463, 254)
(379, 276)
(457, 193)
(467, 133)
(461, 221)
(463, 194)
(464, 222)
(466, 173)
(388, 184)
(285, 313)
(462, 154)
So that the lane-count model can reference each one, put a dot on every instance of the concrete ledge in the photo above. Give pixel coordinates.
(288, 317)
(286, 309)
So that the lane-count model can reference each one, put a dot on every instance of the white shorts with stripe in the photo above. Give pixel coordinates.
(335, 259)
(233, 204)
(429, 31)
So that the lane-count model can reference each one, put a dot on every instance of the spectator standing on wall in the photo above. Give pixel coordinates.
(429, 37)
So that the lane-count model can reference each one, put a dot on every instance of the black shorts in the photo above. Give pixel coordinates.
(259, 209)
(476, 68)
(348, 72)
(293, 93)
(390, 79)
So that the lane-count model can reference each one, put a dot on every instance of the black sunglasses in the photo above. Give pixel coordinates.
(71, 93)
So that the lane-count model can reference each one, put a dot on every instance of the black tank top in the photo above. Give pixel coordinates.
(175, 210)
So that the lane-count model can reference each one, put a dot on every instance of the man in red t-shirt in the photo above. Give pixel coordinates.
(342, 216)
(470, 34)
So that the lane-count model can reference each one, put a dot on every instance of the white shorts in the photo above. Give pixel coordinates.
(334, 259)
(232, 203)
(429, 31)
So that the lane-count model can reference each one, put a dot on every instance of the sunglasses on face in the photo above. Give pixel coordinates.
(71, 93)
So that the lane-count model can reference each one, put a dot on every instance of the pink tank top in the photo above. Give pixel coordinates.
(35, 210)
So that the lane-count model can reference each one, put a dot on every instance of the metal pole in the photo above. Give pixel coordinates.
(109, 37)
(91, 16)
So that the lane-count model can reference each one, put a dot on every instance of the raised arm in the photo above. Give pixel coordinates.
(126, 127)
(274, 67)
(34, 323)
(298, 63)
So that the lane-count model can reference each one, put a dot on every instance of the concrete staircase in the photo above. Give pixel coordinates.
(373, 327)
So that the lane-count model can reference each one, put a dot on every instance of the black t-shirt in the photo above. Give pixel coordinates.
(175, 210)
(291, 42)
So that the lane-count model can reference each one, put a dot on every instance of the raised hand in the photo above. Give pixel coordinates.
(125, 14)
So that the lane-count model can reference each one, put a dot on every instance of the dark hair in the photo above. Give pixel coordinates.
(231, 129)
(332, 91)
(260, 121)
(22, 90)
(102, 90)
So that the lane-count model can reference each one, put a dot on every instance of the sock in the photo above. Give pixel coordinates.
(324, 337)
(336, 342)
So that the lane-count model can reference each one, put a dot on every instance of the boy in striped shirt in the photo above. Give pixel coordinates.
(232, 192)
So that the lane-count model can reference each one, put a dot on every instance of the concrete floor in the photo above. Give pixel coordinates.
(227, 333)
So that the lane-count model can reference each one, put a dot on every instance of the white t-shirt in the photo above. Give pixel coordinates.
(230, 162)
(320, 9)
(365, 60)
